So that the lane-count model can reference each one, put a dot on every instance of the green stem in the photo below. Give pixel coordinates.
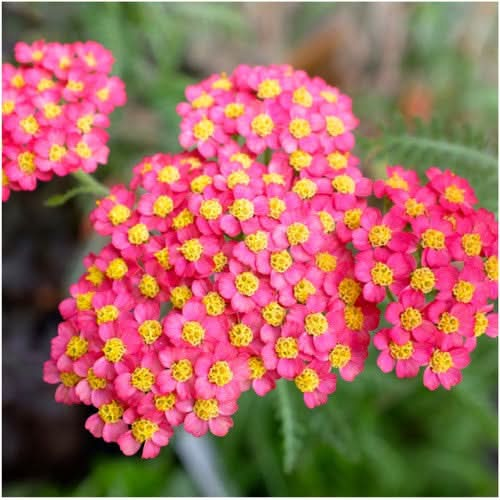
(88, 181)
(391, 295)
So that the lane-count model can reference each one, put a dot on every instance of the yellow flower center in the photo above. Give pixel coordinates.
(302, 97)
(220, 261)
(242, 209)
(75, 86)
(142, 379)
(242, 158)
(326, 262)
(37, 55)
(352, 218)
(8, 107)
(257, 368)
(334, 126)
(26, 162)
(480, 324)
(90, 59)
(307, 381)
(166, 402)
(281, 261)
(94, 275)
(491, 268)
(463, 291)
(237, 177)
(30, 125)
(107, 313)
(268, 89)
(222, 83)
(379, 235)
(148, 286)
(472, 244)
(198, 184)
(315, 324)
(454, 194)
(423, 280)
(143, 429)
(441, 361)
(410, 318)
(138, 234)
(395, 181)
(353, 317)
(404, 351)
(337, 161)
(168, 174)
(448, 323)
(220, 373)
(114, 349)
(276, 207)
(274, 314)
(56, 152)
(180, 295)
(103, 94)
(182, 370)
(287, 348)
(413, 208)
(77, 347)
(84, 301)
(83, 151)
(349, 291)
(256, 242)
(17, 81)
(234, 110)
(247, 283)
(163, 205)
(183, 219)
(110, 413)
(300, 159)
(262, 125)
(69, 379)
(163, 258)
(204, 129)
(94, 381)
(328, 96)
(299, 128)
(119, 214)
(305, 188)
(214, 304)
(206, 409)
(193, 333)
(344, 184)
(273, 178)
(432, 238)
(327, 221)
(116, 269)
(191, 250)
(203, 101)
(64, 62)
(382, 274)
(240, 335)
(302, 290)
(85, 123)
(297, 233)
(150, 330)
(340, 355)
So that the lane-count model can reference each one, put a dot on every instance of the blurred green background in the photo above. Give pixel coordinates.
(423, 77)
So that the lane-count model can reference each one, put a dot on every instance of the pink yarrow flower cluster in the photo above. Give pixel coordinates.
(230, 266)
(55, 109)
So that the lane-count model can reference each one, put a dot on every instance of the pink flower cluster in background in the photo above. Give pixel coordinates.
(253, 256)
(55, 107)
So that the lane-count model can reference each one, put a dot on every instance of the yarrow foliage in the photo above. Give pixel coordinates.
(55, 109)
(253, 256)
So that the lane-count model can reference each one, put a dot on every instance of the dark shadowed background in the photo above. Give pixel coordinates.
(379, 436)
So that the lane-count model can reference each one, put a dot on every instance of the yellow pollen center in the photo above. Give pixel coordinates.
(302, 97)
(148, 286)
(480, 324)
(191, 250)
(85, 123)
(448, 323)
(334, 126)
(379, 235)
(56, 152)
(257, 368)
(138, 234)
(286, 348)
(203, 101)
(84, 301)
(454, 194)
(237, 177)
(472, 244)
(110, 413)
(182, 370)
(69, 379)
(297, 233)
(337, 161)
(114, 349)
(463, 291)
(242, 158)
(307, 381)
(183, 219)
(193, 333)
(404, 351)
(214, 304)
(262, 125)
(206, 409)
(90, 59)
(119, 214)
(352, 218)
(305, 188)
(268, 89)
(142, 379)
(299, 128)
(103, 94)
(240, 335)
(180, 295)
(234, 110)
(37, 55)
(163, 258)
(163, 205)
(143, 429)
(353, 317)
(94, 275)
(273, 178)
(326, 262)
(395, 181)
(340, 355)
(77, 347)
(106, 314)
(166, 402)
(423, 280)
(198, 184)
(281, 261)
(82, 150)
(150, 330)
(8, 107)
(300, 159)
(75, 86)
(274, 314)
(302, 290)
(441, 361)
(256, 242)
(17, 81)
(220, 373)
(410, 318)
(328, 96)
(64, 62)
(344, 184)
(432, 238)
(168, 174)
(315, 324)
(26, 162)
(247, 283)
(491, 268)
(242, 209)
(30, 125)
(413, 208)
(94, 381)
(349, 291)
(204, 129)
(327, 221)
(276, 207)
(382, 274)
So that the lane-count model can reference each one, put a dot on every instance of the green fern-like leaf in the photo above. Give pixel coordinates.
(291, 428)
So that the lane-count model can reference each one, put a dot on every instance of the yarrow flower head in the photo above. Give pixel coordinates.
(55, 111)
(252, 256)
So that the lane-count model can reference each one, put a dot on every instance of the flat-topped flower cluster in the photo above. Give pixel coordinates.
(55, 107)
(253, 256)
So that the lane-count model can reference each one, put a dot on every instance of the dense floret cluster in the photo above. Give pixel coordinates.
(253, 256)
(55, 107)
